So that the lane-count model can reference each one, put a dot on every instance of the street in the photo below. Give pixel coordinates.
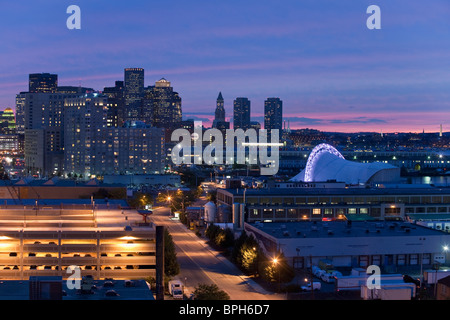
(199, 263)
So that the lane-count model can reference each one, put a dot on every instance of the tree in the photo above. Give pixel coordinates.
(140, 200)
(171, 266)
(276, 269)
(212, 196)
(246, 253)
(210, 292)
(211, 231)
(224, 238)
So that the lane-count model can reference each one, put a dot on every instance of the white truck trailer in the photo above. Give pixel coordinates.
(176, 289)
(355, 282)
(390, 290)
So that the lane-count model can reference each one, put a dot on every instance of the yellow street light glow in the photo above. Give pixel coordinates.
(4, 238)
(275, 260)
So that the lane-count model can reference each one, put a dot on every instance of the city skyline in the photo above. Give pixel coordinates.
(332, 73)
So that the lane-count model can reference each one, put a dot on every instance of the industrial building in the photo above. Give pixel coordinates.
(332, 188)
(356, 244)
(351, 214)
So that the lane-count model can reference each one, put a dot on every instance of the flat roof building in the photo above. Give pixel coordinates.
(354, 244)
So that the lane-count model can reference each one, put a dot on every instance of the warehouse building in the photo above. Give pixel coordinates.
(352, 244)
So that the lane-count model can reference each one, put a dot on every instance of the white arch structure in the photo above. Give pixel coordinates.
(315, 155)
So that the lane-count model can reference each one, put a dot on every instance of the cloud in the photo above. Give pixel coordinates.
(361, 120)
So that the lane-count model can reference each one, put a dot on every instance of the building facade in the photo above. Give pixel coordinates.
(306, 201)
(43, 123)
(359, 244)
(42, 82)
(133, 93)
(93, 148)
(241, 113)
(162, 106)
(45, 248)
(273, 114)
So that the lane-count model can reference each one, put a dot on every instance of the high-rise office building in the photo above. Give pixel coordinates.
(133, 93)
(20, 113)
(241, 113)
(273, 114)
(42, 82)
(7, 122)
(162, 106)
(116, 116)
(43, 121)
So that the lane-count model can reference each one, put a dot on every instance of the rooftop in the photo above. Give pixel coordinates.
(126, 290)
(58, 182)
(398, 190)
(316, 229)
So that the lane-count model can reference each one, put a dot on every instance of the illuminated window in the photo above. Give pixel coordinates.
(364, 210)
(316, 211)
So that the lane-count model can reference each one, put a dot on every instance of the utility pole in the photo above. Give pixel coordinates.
(159, 263)
(311, 276)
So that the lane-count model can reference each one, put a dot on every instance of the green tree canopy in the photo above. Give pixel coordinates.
(210, 292)
(171, 266)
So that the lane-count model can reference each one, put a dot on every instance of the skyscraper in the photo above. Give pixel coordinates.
(43, 121)
(42, 82)
(162, 106)
(7, 122)
(116, 116)
(133, 93)
(241, 113)
(273, 114)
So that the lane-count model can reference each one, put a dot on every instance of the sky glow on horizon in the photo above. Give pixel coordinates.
(330, 70)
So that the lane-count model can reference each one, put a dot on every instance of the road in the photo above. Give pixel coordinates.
(199, 263)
